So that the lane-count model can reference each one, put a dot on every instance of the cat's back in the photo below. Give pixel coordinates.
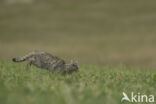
(47, 60)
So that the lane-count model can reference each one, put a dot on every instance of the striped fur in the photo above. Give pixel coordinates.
(23, 58)
(47, 61)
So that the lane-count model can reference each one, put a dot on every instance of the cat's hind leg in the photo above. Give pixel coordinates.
(29, 65)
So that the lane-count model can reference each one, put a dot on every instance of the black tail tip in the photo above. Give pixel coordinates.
(14, 59)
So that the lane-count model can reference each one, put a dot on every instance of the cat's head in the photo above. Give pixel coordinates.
(72, 67)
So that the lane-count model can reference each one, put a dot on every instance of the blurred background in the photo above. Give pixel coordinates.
(98, 32)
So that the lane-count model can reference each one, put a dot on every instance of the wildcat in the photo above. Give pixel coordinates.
(47, 61)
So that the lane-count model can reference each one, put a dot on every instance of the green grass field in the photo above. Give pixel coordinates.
(92, 85)
(114, 42)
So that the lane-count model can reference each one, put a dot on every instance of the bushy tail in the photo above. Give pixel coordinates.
(23, 58)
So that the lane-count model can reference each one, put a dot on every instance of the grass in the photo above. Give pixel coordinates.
(92, 85)
(97, 33)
